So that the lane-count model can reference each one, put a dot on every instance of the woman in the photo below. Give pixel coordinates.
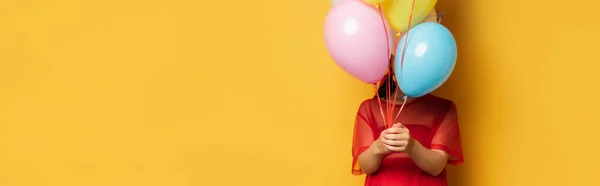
(415, 150)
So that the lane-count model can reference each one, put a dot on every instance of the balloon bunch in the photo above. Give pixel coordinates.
(363, 35)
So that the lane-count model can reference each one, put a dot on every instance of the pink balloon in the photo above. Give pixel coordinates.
(356, 40)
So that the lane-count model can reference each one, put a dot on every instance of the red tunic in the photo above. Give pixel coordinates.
(431, 120)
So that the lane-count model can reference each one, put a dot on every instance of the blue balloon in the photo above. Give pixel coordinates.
(429, 59)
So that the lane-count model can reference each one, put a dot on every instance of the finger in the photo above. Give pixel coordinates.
(390, 137)
(401, 126)
(395, 143)
(389, 148)
(393, 130)
(392, 143)
(395, 149)
(396, 137)
(402, 130)
(397, 125)
(383, 133)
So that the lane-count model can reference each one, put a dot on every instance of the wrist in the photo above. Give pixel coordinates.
(376, 150)
(412, 147)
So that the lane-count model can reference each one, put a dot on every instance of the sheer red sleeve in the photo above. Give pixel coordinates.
(447, 137)
(363, 135)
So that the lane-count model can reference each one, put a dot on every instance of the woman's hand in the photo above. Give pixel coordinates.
(379, 148)
(396, 139)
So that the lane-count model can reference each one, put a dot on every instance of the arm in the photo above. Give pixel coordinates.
(367, 149)
(370, 160)
(445, 147)
(431, 161)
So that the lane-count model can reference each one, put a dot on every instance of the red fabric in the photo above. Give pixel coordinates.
(431, 120)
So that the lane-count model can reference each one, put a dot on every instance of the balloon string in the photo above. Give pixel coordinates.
(402, 58)
(388, 96)
(389, 100)
(388, 108)
(401, 107)
(379, 101)
(407, 31)
(396, 42)
(385, 30)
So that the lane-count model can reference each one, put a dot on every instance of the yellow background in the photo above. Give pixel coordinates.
(174, 93)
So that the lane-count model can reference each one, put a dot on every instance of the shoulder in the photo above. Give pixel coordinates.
(366, 106)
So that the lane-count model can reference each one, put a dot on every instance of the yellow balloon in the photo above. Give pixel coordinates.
(431, 18)
(398, 12)
(386, 6)
(373, 2)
